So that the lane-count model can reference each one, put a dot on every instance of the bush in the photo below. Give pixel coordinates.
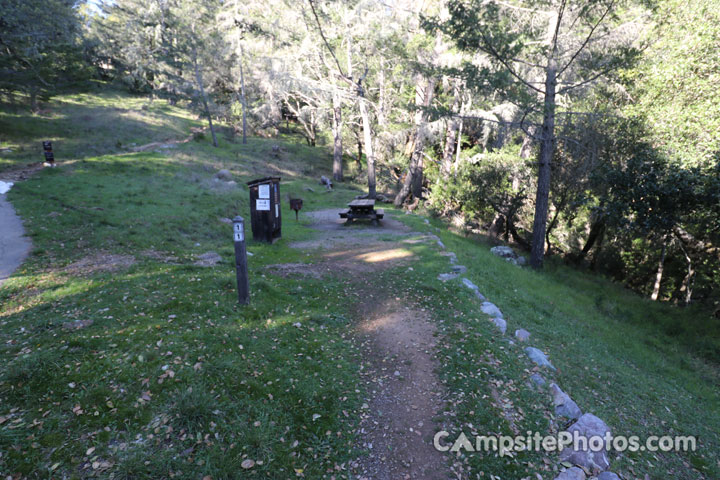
(487, 187)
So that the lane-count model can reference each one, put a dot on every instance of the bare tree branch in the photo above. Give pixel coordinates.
(327, 44)
(587, 39)
(492, 51)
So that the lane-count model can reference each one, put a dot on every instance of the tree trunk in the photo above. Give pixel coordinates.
(527, 145)
(337, 136)
(463, 107)
(198, 78)
(661, 267)
(312, 130)
(382, 95)
(358, 160)
(409, 181)
(367, 134)
(413, 180)
(33, 100)
(547, 146)
(598, 250)
(242, 96)
(459, 147)
(687, 283)
(449, 149)
(517, 237)
(417, 184)
(451, 135)
(554, 221)
(596, 231)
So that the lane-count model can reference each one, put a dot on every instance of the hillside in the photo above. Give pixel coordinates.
(125, 357)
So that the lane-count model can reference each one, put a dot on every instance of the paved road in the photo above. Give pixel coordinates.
(14, 246)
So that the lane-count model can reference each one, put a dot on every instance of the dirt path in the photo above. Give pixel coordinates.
(14, 245)
(170, 142)
(405, 394)
(398, 425)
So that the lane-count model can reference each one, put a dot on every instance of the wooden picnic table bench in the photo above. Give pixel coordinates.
(362, 208)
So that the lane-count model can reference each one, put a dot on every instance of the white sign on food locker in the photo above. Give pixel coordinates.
(262, 204)
(264, 191)
(277, 214)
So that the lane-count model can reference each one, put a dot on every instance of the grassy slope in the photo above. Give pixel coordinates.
(86, 125)
(612, 358)
(236, 371)
(228, 403)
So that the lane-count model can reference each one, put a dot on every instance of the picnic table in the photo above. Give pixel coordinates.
(362, 208)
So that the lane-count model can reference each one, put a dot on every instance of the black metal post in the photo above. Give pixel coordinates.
(243, 283)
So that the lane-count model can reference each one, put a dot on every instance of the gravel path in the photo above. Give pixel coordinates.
(14, 246)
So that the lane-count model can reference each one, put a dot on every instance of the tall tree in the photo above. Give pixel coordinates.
(355, 84)
(195, 44)
(39, 47)
(540, 51)
(244, 29)
(337, 129)
(412, 185)
(132, 38)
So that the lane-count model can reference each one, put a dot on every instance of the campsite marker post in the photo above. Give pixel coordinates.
(243, 283)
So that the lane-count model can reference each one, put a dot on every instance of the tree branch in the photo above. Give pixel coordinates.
(492, 51)
(587, 39)
(585, 82)
(327, 44)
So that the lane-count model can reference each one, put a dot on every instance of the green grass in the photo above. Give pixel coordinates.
(246, 382)
(613, 352)
(86, 125)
